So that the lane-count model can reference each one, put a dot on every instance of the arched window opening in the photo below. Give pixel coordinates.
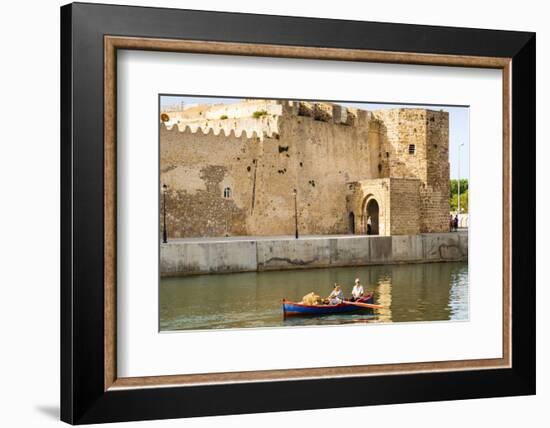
(227, 193)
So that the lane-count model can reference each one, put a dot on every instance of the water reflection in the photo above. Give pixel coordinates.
(383, 297)
(414, 292)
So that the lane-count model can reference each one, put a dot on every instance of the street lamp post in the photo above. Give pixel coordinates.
(295, 214)
(164, 187)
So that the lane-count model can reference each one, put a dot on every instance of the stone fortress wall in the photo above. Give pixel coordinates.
(231, 169)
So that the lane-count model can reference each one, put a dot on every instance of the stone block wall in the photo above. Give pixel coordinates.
(305, 148)
(230, 173)
(196, 171)
(434, 209)
(435, 205)
(405, 206)
(322, 158)
(248, 255)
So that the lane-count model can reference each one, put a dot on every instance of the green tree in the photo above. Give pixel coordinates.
(454, 186)
(463, 195)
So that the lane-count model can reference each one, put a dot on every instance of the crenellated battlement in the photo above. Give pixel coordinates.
(228, 132)
(259, 118)
(330, 113)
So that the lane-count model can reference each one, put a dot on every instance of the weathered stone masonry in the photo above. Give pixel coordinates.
(231, 169)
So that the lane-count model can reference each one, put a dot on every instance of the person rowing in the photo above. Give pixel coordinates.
(357, 292)
(336, 296)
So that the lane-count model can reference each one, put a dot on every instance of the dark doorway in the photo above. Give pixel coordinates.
(351, 226)
(371, 217)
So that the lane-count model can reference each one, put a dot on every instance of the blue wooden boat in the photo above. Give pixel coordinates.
(300, 309)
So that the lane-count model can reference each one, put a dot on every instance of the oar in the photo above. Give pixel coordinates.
(364, 305)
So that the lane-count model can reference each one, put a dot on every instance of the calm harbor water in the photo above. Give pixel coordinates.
(414, 292)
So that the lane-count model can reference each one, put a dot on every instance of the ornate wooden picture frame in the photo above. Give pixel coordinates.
(91, 390)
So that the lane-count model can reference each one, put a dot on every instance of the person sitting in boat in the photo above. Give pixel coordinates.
(357, 292)
(336, 296)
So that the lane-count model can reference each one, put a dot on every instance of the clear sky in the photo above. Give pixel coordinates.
(459, 127)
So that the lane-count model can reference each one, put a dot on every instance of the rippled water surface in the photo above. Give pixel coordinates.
(414, 292)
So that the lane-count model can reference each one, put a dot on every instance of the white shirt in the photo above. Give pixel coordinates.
(357, 291)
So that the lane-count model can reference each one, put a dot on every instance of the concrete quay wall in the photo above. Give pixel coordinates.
(250, 255)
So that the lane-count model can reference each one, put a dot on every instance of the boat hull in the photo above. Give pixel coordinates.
(299, 309)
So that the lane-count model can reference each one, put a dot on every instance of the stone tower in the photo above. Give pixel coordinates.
(411, 194)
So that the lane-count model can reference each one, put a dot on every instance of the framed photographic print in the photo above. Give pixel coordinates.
(275, 213)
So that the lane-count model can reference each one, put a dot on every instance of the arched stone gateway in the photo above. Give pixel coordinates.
(393, 205)
(372, 211)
